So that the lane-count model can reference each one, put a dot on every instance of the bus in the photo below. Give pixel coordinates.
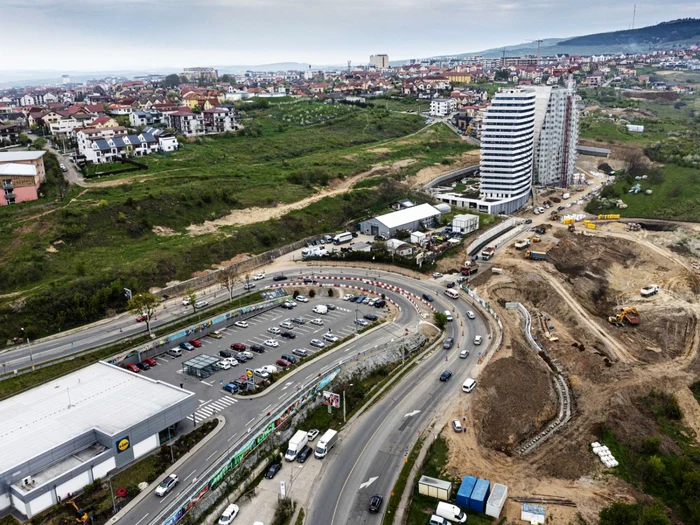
(342, 238)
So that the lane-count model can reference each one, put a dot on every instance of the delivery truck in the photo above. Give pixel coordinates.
(295, 445)
(325, 443)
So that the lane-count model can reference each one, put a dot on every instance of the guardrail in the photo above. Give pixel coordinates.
(485, 305)
(486, 237)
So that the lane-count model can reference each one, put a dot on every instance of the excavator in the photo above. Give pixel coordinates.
(629, 314)
(80, 515)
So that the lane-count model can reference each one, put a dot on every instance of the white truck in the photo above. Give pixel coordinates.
(314, 251)
(522, 244)
(450, 512)
(649, 290)
(342, 238)
(326, 443)
(297, 442)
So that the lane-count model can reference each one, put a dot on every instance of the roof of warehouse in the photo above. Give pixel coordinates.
(401, 217)
(15, 156)
(100, 396)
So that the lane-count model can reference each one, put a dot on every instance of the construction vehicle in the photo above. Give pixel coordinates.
(540, 230)
(572, 228)
(487, 253)
(649, 290)
(469, 268)
(522, 244)
(80, 515)
(536, 238)
(629, 314)
(554, 216)
(536, 256)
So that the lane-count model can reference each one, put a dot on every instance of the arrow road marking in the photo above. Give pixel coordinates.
(368, 483)
(411, 414)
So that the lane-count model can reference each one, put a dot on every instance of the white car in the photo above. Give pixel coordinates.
(317, 343)
(185, 302)
(250, 355)
(371, 302)
(471, 315)
(477, 340)
(271, 343)
(287, 325)
(348, 296)
(224, 364)
(437, 275)
(464, 354)
(302, 298)
(312, 434)
(241, 324)
(468, 385)
(258, 276)
(167, 485)
(318, 321)
(293, 303)
(261, 372)
(456, 425)
(331, 338)
(248, 286)
(201, 304)
(229, 514)
(270, 369)
(361, 322)
(274, 330)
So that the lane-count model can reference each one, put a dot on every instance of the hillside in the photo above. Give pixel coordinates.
(664, 33)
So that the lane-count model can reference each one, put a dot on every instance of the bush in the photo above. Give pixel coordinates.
(331, 293)
(312, 293)
(440, 320)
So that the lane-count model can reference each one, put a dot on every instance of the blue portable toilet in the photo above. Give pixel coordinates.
(477, 501)
(465, 491)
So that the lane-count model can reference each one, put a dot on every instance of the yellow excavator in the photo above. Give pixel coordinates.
(629, 314)
(80, 515)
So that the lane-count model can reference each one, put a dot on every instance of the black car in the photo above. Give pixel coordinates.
(428, 297)
(451, 284)
(529, 221)
(258, 348)
(242, 385)
(380, 303)
(280, 278)
(375, 503)
(225, 353)
(371, 317)
(330, 306)
(287, 305)
(289, 358)
(143, 366)
(304, 454)
(448, 343)
(446, 375)
(274, 469)
(288, 335)
(298, 320)
(308, 280)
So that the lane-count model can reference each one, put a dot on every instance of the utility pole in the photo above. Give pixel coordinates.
(634, 15)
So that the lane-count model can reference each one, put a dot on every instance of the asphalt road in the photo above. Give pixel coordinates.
(367, 461)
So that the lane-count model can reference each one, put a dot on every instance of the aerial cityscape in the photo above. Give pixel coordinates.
(430, 275)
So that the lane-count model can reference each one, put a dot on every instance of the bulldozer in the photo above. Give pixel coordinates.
(80, 515)
(572, 228)
(629, 314)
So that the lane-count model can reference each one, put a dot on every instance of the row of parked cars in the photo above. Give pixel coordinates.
(364, 299)
(144, 365)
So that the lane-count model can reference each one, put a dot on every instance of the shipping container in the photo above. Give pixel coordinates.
(477, 501)
(435, 488)
(465, 491)
(496, 500)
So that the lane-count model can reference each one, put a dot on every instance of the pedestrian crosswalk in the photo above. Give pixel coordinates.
(209, 408)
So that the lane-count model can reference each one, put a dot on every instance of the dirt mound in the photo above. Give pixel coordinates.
(507, 409)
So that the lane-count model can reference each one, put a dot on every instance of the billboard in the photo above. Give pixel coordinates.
(331, 399)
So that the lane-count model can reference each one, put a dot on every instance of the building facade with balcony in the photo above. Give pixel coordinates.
(18, 183)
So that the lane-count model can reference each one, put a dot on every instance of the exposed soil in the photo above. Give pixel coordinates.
(424, 176)
(164, 231)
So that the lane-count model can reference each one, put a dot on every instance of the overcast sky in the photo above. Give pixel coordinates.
(94, 35)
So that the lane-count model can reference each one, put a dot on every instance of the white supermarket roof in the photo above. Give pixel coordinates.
(408, 215)
(15, 156)
(100, 396)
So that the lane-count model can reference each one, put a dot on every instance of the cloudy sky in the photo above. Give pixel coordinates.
(94, 35)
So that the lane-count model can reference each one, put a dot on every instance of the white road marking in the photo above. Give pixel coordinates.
(210, 384)
(268, 406)
(411, 414)
(368, 482)
(211, 455)
(249, 422)
(137, 523)
(192, 474)
(233, 436)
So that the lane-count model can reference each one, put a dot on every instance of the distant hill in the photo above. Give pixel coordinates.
(684, 30)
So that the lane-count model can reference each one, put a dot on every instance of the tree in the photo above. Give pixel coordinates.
(654, 516)
(440, 320)
(502, 74)
(330, 292)
(312, 293)
(144, 304)
(39, 143)
(191, 297)
(619, 514)
(23, 139)
(227, 277)
(172, 80)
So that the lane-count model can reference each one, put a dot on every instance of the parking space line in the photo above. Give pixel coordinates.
(210, 384)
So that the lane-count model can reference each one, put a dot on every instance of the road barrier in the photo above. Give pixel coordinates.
(485, 305)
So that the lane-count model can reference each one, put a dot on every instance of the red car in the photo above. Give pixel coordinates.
(196, 343)
(284, 363)
(238, 346)
(133, 368)
(141, 318)
(150, 361)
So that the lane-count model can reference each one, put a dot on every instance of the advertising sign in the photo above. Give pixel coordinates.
(331, 399)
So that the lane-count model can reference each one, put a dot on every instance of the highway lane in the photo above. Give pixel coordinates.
(246, 412)
(367, 461)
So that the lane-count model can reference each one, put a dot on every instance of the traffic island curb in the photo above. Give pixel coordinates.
(149, 490)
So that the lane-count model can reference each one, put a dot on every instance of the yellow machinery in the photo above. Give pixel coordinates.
(629, 314)
(535, 239)
(570, 220)
(591, 226)
(612, 216)
(80, 515)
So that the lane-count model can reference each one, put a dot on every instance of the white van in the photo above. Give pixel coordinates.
(468, 385)
(451, 512)
(229, 514)
(452, 293)
(320, 309)
(448, 314)
(175, 352)
(437, 520)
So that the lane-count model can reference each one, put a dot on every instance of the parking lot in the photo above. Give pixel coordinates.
(339, 322)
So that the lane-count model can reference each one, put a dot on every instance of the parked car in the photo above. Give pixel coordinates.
(437, 275)
(298, 320)
(270, 369)
(302, 298)
(196, 343)
(287, 305)
(143, 366)
(224, 364)
(317, 321)
(133, 368)
(371, 317)
(186, 302)
(304, 454)
(528, 221)
(271, 343)
(289, 358)
(317, 343)
(301, 352)
(238, 347)
(283, 363)
(216, 334)
(312, 434)
(201, 304)
(287, 325)
(457, 425)
(348, 296)
(258, 276)
(151, 361)
(260, 372)
(288, 335)
(449, 342)
(446, 375)
(292, 302)
(186, 346)
(379, 303)
(330, 306)
(272, 470)
(257, 348)
(451, 284)
(331, 338)
(229, 514)
(241, 324)
(361, 322)
(375, 503)
(225, 353)
(167, 485)
(274, 330)
(241, 357)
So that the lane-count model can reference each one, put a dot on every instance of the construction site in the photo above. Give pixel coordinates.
(614, 317)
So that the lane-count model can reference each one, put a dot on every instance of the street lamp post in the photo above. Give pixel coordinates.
(111, 491)
(29, 345)
(344, 420)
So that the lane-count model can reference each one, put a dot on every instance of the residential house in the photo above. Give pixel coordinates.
(400, 248)
(218, 120)
(186, 123)
(9, 134)
(441, 107)
(18, 183)
(104, 122)
(145, 118)
(29, 158)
